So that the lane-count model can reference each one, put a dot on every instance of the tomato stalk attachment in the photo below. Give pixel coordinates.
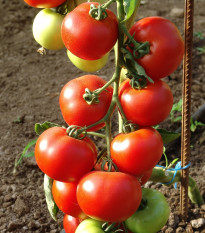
(98, 13)
(90, 97)
(76, 132)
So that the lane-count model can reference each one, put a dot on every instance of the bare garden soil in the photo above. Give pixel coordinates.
(29, 88)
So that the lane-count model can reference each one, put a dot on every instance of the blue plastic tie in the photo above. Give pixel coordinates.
(177, 168)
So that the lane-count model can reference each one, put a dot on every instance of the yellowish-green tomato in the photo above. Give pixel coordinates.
(89, 226)
(88, 65)
(47, 29)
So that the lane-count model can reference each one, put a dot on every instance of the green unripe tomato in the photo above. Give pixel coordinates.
(153, 216)
(47, 29)
(89, 226)
(88, 65)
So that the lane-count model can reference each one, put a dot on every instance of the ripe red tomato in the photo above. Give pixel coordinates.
(144, 177)
(44, 3)
(166, 46)
(138, 151)
(64, 195)
(148, 106)
(70, 223)
(62, 157)
(86, 37)
(75, 110)
(109, 196)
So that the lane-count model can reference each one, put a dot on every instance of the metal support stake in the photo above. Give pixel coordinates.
(186, 94)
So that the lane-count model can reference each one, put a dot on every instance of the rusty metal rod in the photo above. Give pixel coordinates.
(186, 108)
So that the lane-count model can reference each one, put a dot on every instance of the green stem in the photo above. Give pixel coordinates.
(159, 175)
(108, 3)
(108, 137)
(116, 76)
(95, 134)
(126, 32)
(99, 90)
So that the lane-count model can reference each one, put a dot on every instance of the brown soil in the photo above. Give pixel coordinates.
(29, 89)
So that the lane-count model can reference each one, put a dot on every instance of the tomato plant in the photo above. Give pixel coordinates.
(137, 152)
(166, 46)
(86, 37)
(88, 65)
(147, 106)
(44, 3)
(152, 49)
(75, 109)
(152, 214)
(47, 29)
(116, 195)
(64, 195)
(70, 223)
(62, 157)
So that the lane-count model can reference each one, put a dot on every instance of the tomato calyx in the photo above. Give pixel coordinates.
(138, 82)
(143, 204)
(98, 13)
(76, 132)
(111, 228)
(128, 127)
(90, 97)
(62, 9)
(134, 70)
(107, 162)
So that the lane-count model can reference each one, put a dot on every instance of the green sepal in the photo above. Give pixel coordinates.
(52, 207)
(40, 128)
(168, 136)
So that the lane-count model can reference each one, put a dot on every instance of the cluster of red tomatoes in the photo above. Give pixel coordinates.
(87, 195)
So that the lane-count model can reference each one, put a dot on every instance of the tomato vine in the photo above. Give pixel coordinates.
(69, 157)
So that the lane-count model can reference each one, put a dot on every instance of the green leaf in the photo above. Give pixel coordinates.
(176, 119)
(52, 207)
(129, 7)
(40, 128)
(168, 136)
(177, 107)
(28, 155)
(24, 153)
(194, 125)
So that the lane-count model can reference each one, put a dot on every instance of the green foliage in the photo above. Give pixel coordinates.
(130, 7)
(201, 37)
(177, 107)
(168, 136)
(52, 207)
(25, 153)
(40, 128)
(194, 125)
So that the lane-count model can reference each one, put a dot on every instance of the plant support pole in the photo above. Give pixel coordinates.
(186, 107)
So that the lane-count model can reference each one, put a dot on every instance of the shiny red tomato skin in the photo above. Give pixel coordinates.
(166, 46)
(70, 223)
(44, 3)
(86, 37)
(148, 106)
(62, 157)
(109, 196)
(64, 195)
(137, 152)
(144, 177)
(75, 110)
